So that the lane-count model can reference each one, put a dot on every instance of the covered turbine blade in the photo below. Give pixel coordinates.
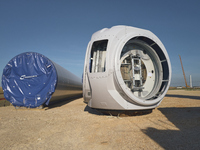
(30, 79)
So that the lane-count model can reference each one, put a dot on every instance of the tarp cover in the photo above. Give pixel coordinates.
(29, 80)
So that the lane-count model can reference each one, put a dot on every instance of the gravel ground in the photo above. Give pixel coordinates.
(175, 124)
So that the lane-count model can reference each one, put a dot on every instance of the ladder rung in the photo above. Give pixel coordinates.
(163, 60)
(127, 80)
(152, 44)
(165, 80)
(137, 88)
(125, 63)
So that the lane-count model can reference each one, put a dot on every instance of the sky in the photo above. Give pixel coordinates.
(61, 29)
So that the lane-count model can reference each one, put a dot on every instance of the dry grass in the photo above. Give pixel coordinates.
(2, 101)
(1, 93)
(1, 90)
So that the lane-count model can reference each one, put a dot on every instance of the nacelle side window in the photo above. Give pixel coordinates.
(98, 56)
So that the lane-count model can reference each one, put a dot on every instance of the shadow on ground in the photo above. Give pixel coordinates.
(92, 111)
(183, 96)
(187, 120)
(119, 113)
(61, 102)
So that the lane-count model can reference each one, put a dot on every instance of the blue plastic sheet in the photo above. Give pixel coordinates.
(29, 80)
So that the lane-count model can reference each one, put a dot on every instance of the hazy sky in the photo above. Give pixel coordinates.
(61, 29)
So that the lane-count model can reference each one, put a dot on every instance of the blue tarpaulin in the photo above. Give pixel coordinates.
(29, 80)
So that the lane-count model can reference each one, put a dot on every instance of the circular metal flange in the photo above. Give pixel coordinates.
(149, 99)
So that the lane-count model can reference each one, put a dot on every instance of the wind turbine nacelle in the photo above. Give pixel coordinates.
(126, 68)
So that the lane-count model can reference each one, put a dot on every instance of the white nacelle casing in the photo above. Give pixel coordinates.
(104, 86)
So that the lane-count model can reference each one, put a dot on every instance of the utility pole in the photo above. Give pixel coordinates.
(191, 81)
(183, 73)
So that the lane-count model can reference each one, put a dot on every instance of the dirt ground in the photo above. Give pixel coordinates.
(175, 124)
